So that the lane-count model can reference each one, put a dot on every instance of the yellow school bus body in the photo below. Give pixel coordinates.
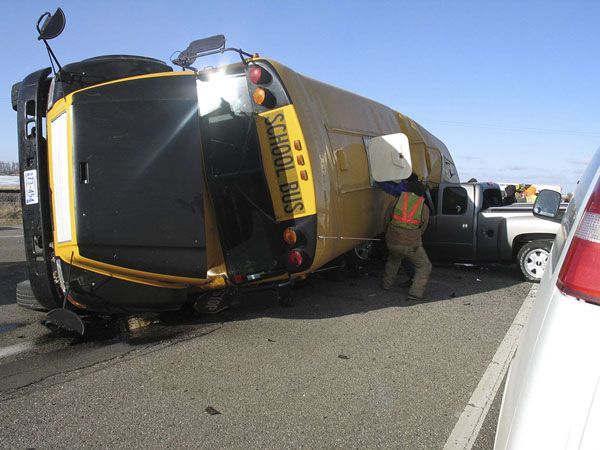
(334, 123)
(330, 126)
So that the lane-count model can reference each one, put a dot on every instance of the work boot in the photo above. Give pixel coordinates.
(414, 298)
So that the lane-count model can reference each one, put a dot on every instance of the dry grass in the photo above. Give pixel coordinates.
(10, 209)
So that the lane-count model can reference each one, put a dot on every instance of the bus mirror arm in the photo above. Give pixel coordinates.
(186, 58)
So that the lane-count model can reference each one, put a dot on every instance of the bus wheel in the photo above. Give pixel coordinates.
(26, 297)
(285, 297)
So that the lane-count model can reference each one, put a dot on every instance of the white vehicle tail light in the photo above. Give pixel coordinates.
(580, 273)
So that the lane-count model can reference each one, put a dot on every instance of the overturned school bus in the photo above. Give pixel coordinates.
(145, 188)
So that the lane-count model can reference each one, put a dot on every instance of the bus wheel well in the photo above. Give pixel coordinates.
(522, 239)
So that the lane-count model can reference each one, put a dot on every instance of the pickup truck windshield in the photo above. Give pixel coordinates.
(236, 180)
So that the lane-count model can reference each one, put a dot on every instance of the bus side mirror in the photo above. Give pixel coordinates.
(547, 204)
(52, 26)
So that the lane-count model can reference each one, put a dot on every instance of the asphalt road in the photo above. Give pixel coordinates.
(349, 366)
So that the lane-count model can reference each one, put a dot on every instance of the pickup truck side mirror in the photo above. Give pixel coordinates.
(547, 204)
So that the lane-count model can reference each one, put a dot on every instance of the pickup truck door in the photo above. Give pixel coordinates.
(450, 235)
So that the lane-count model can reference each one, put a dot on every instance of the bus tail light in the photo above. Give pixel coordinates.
(257, 74)
(238, 278)
(295, 258)
(260, 96)
(580, 272)
(289, 236)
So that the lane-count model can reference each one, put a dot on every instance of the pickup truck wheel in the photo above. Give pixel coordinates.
(532, 259)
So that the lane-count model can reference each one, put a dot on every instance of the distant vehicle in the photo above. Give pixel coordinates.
(468, 224)
(144, 189)
(552, 394)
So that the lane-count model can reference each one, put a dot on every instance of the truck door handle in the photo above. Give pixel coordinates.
(489, 233)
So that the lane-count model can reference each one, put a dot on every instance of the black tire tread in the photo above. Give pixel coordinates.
(26, 297)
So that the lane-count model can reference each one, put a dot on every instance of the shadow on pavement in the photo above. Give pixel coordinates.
(315, 298)
(319, 298)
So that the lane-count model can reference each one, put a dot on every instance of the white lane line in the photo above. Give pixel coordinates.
(469, 423)
(15, 236)
(15, 349)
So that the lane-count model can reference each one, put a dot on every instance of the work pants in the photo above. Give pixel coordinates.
(415, 254)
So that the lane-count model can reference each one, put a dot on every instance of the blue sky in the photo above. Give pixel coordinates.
(510, 87)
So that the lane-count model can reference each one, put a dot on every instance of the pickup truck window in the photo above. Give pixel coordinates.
(491, 198)
(454, 201)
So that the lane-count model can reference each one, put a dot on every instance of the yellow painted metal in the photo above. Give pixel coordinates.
(335, 124)
(292, 196)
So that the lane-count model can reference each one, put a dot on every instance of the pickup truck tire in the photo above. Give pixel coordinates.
(532, 259)
(26, 298)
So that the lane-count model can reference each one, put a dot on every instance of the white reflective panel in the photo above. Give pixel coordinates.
(31, 187)
(60, 178)
(389, 157)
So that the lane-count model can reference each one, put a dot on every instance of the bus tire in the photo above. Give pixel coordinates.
(26, 297)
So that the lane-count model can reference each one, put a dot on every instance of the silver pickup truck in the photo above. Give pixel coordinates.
(468, 224)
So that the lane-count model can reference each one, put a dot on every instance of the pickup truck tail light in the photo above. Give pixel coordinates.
(580, 272)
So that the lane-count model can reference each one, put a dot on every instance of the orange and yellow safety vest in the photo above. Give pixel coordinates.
(408, 210)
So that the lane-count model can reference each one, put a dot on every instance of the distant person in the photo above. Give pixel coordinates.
(530, 193)
(510, 198)
(567, 198)
(519, 194)
(403, 238)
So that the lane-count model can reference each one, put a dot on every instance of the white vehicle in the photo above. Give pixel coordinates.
(552, 394)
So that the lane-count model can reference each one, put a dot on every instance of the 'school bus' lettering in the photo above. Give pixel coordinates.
(280, 165)
(283, 161)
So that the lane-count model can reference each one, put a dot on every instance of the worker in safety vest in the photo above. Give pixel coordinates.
(403, 236)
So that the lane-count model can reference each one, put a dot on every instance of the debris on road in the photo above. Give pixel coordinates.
(135, 323)
(212, 411)
(343, 357)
